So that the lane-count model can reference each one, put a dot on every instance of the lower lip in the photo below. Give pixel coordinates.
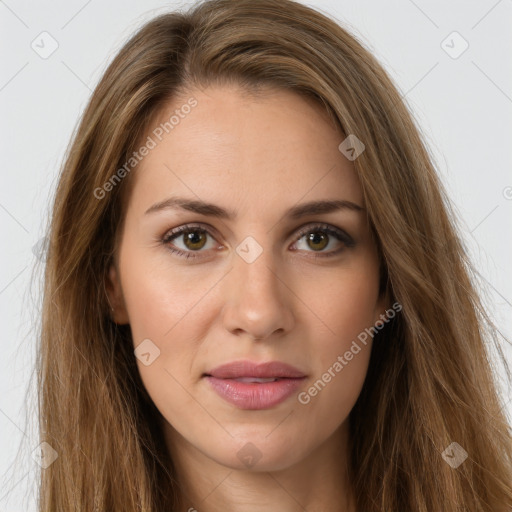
(254, 395)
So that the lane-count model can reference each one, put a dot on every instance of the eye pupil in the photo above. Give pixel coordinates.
(322, 239)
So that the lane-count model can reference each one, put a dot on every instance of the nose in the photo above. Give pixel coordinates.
(258, 301)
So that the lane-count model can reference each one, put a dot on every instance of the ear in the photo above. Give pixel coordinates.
(115, 296)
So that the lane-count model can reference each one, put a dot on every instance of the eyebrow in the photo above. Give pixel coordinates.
(213, 210)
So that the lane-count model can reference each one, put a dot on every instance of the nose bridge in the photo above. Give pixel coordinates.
(255, 266)
(258, 299)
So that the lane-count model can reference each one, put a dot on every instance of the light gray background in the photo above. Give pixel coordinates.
(463, 106)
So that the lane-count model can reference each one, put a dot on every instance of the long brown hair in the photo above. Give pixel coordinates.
(430, 381)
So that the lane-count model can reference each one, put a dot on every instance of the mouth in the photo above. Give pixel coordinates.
(255, 379)
(254, 386)
(251, 370)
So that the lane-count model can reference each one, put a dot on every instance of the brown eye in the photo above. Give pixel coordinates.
(317, 240)
(194, 239)
(188, 240)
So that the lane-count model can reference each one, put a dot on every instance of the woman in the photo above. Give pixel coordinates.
(255, 296)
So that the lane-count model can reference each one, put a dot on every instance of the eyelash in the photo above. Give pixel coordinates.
(324, 228)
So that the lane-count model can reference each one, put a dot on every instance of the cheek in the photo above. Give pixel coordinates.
(348, 306)
(345, 300)
(162, 298)
(164, 312)
(168, 310)
(168, 318)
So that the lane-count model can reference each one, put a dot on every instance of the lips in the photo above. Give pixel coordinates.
(245, 369)
(254, 386)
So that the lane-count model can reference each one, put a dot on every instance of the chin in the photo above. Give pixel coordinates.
(256, 452)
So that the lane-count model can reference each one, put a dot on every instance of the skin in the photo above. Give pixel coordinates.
(259, 157)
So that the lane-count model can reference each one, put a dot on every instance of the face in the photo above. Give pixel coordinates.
(246, 280)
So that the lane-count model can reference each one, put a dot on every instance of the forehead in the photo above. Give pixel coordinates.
(235, 146)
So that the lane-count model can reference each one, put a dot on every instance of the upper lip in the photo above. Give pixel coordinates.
(270, 369)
